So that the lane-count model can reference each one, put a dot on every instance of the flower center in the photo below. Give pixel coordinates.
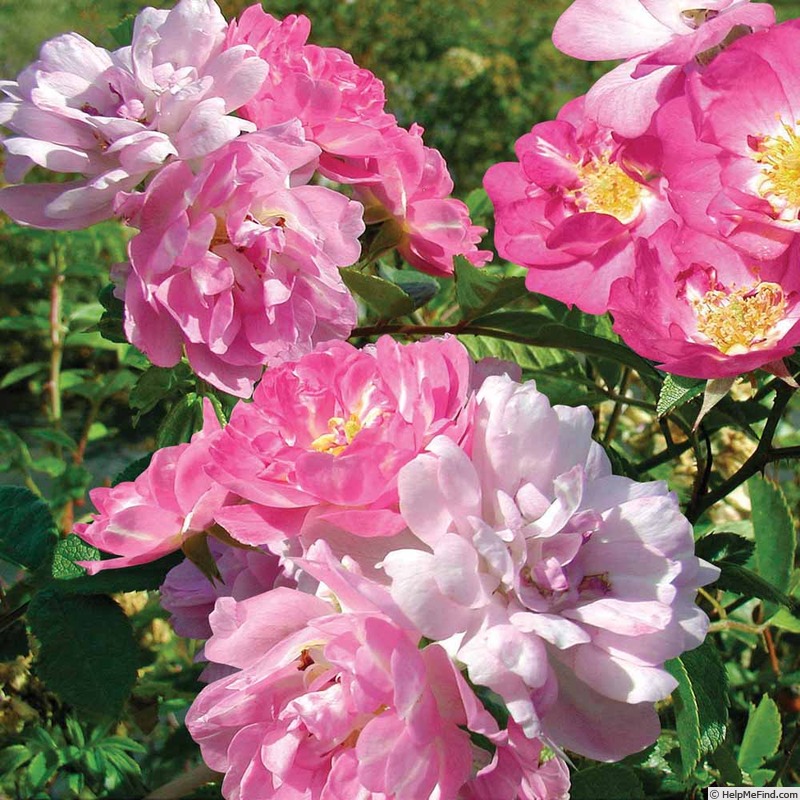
(738, 320)
(779, 157)
(607, 189)
(342, 433)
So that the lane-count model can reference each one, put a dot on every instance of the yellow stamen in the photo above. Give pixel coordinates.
(608, 189)
(779, 157)
(342, 433)
(739, 320)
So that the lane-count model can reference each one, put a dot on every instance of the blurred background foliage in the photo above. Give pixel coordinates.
(476, 75)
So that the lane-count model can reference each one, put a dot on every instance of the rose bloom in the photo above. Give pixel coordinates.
(172, 500)
(663, 41)
(755, 201)
(572, 205)
(702, 309)
(560, 586)
(117, 117)
(334, 700)
(330, 432)
(238, 264)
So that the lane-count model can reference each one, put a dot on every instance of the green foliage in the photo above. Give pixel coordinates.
(27, 532)
(612, 781)
(94, 673)
(701, 703)
(73, 762)
(775, 534)
(761, 739)
(479, 291)
(385, 299)
(677, 391)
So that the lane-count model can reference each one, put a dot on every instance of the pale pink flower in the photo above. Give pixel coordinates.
(152, 516)
(561, 587)
(117, 117)
(663, 40)
(331, 431)
(702, 309)
(571, 207)
(411, 188)
(340, 104)
(189, 595)
(238, 265)
(329, 704)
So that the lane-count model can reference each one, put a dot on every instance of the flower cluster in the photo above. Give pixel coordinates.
(668, 195)
(207, 138)
(402, 542)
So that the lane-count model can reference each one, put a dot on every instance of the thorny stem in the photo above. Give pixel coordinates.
(773, 656)
(763, 455)
(703, 474)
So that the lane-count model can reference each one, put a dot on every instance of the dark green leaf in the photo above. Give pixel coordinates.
(56, 437)
(122, 33)
(619, 464)
(606, 782)
(157, 383)
(27, 531)
(183, 419)
(775, 534)
(133, 470)
(72, 579)
(384, 298)
(701, 703)
(480, 292)
(537, 329)
(87, 655)
(13, 642)
(21, 373)
(730, 547)
(761, 736)
(677, 391)
(417, 285)
(740, 580)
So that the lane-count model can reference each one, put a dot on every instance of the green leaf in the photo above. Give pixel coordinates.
(607, 781)
(13, 643)
(677, 391)
(156, 383)
(27, 531)
(24, 323)
(21, 373)
(480, 292)
(133, 470)
(730, 547)
(55, 437)
(384, 298)
(88, 655)
(122, 33)
(741, 580)
(183, 419)
(493, 703)
(417, 285)
(786, 621)
(479, 205)
(761, 736)
(537, 329)
(700, 702)
(70, 578)
(13, 757)
(775, 535)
